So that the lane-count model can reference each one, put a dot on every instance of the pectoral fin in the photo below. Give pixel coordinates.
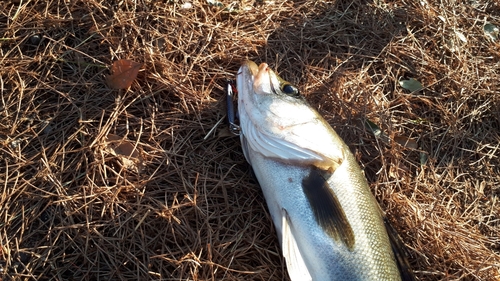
(294, 262)
(399, 251)
(326, 207)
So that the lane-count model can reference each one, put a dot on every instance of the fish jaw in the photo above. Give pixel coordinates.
(262, 83)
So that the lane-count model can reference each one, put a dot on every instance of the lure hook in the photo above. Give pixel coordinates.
(231, 115)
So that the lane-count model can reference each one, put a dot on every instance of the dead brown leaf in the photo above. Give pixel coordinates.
(126, 151)
(406, 142)
(123, 74)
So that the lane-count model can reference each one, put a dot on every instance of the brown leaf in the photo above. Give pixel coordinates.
(123, 74)
(122, 146)
(406, 142)
(126, 151)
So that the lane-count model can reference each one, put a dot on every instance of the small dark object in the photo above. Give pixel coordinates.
(24, 257)
(35, 39)
(45, 216)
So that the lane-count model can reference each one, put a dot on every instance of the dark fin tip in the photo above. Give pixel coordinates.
(400, 253)
(326, 207)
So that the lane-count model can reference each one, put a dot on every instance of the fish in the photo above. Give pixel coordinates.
(329, 224)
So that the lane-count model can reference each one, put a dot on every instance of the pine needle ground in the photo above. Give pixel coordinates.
(183, 204)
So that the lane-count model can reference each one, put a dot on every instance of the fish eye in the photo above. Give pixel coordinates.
(290, 90)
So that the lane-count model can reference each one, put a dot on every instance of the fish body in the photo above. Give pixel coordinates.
(328, 222)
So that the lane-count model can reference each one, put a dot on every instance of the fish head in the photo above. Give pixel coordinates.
(276, 121)
(267, 82)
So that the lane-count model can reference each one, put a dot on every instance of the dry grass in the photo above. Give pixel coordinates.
(185, 206)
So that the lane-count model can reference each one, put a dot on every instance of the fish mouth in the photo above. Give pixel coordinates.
(252, 67)
(261, 76)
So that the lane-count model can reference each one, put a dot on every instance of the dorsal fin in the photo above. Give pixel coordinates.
(400, 253)
(326, 207)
